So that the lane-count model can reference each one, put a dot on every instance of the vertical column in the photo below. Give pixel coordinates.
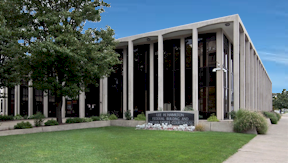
(195, 69)
(82, 105)
(63, 108)
(242, 71)
(252, 79)
(101, 96)
(229, 80)
(19, 100)
(160, 72)
(151, 77)
(256, 82)
(45, 104)
(16, 100)
(124, 81)
(131, 77)
(219, 76)
(182, 69)
(247, 76)
(6, 101)
(105, 96)
(30, 98)
(236, 63)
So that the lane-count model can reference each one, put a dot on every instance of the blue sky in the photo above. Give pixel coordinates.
(266, 21)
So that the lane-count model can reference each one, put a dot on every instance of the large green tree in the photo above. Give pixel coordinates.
(281, 100)
(60, 56)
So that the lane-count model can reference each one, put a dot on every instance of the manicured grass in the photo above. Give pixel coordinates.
(121, 144)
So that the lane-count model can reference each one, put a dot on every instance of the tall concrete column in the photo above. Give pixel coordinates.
(131, 77)
(105, 95)
(63, 108)
(45, 103)
(242, 70)
(247, 76)
(256, 82)
(219, 76)
(160, 73)
(16, 99)
(151, 73)
(101, 96)
(182, 69)
(30, 98)
(124, 81)
(6, 101)
(252, 79)
(195, 69)
(82, 105)
(230, 81)
(236, 63)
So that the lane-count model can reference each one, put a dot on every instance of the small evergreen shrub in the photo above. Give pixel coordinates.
(23, 125)
(246, 120)
(213, 118)
(18, 117)
(38, 119)
(31, 117)
(128, 115)
(87, 119)
(6, 117)
(51, 122)
(199, 127)
(113, 117)
(273, 118)
(232, 114)
(74, 120)
(141, 117)
(95, 118)
(188, 108)
(104, 117)
(278, 115)
(25, 117)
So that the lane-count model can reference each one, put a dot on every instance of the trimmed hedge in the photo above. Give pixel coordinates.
(6, 117)
(140, 117)
(95, 118)
(213, 118)
(113, 117)
(74, 120)
(23, 125)
(278, 115)
(273, 118)
(246, 120)
(51, 122)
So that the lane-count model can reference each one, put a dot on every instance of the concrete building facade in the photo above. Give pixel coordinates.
(211, 66)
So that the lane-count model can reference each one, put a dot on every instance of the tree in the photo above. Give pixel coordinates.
(60, 56)
(281, 100)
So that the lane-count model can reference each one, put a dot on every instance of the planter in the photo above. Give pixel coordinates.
(126, 123)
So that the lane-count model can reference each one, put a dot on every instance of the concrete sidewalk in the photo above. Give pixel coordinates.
(269, 148)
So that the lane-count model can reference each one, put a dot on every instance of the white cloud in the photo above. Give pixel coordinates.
(273, 57)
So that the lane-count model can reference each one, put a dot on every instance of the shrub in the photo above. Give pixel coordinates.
(31, 117)
(95, 118)
(87, 119)
(141, 117)
(38, 119)
(278, 115)
(213, 118)
(23, 125)
(51, 122)
(18, 117)
(232, 114)
(246, 120)
(6, 117)
(113, 117)
(74, 120)
(25, 117)
(273, 118)
(104, 117)
(188, 108)
(199, 127)
(128, 115)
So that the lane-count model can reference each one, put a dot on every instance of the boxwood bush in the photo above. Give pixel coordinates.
(74, 120)
(104, 117)
(273, 118)
(113, 117)
(95, 118)
(23, 125)
(141, 117)
(213, 118)
(246, 120)
(6, 117)
(87, 119)
(278, 115)
(51, 122)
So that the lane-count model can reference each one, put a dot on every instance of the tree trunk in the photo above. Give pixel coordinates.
(59, 109)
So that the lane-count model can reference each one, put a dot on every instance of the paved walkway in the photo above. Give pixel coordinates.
(269, 148)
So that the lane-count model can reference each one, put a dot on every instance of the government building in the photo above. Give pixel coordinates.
(211, 66)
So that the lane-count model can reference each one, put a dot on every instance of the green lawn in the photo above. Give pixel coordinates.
(121, 144)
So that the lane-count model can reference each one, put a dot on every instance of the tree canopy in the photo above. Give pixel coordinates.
(281, 100)
(56, 53)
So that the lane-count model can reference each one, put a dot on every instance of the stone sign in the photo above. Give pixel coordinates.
(171, 117)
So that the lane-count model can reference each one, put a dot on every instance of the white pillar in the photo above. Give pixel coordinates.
(6, 101)
(195, 69)
(131, 77)
(236, 63)
(230, 81)
(82, 105)
(242, 71)
(252, 74)
(256, 83)
(105, 95)
(63, 108)
(45, 104)
(30, 98)
(16, 99)
(101, 96)
(151, 73)
(182, 77)
(247, 76)
(124, 81)
(219, 76)
(160, 73)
